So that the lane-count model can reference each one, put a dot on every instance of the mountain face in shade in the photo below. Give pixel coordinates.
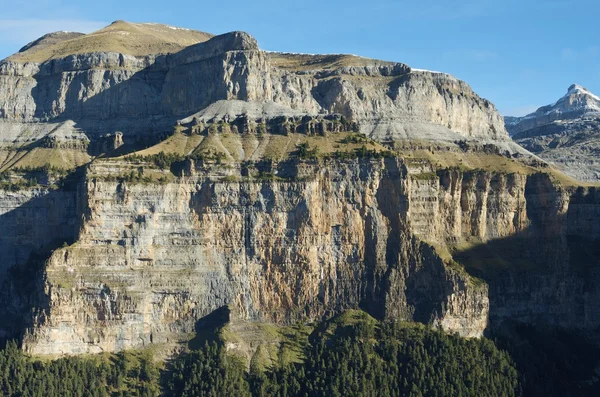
(565, 133)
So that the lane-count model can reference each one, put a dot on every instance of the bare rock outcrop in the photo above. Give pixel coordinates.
(152, 260)
(104, 92)
(564, 133)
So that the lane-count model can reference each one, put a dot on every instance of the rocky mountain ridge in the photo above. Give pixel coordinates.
(564, 133)
(577, 103)
(142, 96)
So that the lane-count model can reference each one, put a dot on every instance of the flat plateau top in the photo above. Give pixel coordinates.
(138, 39)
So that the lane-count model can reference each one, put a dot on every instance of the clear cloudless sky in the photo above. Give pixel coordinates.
(520, 54)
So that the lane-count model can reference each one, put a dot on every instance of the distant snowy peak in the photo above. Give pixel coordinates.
(577, 103)
(578, 99)
(577, 89)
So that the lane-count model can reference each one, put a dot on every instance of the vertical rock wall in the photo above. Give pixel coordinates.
(153, 259)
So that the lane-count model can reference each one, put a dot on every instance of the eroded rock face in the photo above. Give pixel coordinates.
(453, 206)
(107, 92)
(529, 238)
(151, 260)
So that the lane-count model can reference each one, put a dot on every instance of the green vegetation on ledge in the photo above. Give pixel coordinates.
(122, 374)
(351, 354)
(355, 355)
(19, 178)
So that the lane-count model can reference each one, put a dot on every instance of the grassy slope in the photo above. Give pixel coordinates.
(266, 345)
(441, 159)
(127, 38)
(304, 62)
(67, 159)
(254, 147)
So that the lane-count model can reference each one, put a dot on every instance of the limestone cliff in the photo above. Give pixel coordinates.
(266, 198)
(151, 260)
(531, 239)
(115, 88)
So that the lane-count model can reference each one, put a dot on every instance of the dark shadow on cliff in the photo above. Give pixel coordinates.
(377, 274)
(551, 362)
(543, 293)
(29, 233)
(407, 281)
(208, 328)
(555, 243)
(517, 255)
(547, 275)
(144, 105)
(131, 106)
(531, 269)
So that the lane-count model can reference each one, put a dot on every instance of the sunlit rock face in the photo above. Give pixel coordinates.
(109, 263)
(564, 133)
(151, 260)
(104, 90)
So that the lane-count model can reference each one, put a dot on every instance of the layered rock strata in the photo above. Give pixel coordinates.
(152, 260)
(105, 92)
(532, 240)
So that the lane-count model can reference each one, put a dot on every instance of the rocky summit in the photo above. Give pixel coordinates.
(565, 133)
(139, 79)
(151, 176)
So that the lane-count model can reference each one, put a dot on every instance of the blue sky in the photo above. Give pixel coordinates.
(520, 54)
